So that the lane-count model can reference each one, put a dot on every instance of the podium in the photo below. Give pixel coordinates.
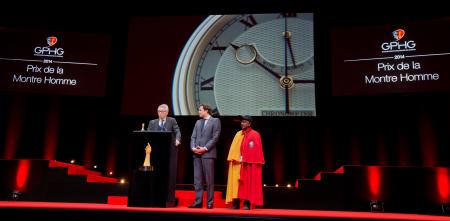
(149, 188)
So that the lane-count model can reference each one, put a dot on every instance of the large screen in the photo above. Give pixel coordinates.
(36, 61)
(255, 64)
(402, 58)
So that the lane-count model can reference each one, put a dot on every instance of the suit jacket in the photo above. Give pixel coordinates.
(207, 137)
(170, 125)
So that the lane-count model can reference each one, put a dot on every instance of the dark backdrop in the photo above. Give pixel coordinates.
(395, 129)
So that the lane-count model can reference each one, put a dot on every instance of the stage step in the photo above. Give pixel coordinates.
(187, 194)
(53, 181)
(353, 187)
(185, 198)
(300, 183)
(74, 171)
(77, 188)
(74, 183)
(340, 169)
(54, 163)
(92, 176)
(322, 175)
(118, 200)
(101, 179)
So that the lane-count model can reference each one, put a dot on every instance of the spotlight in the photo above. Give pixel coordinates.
(15, 195)
(122, 180)
(95, 166)
(376, 206)
(446, 208)
(264, 185)
(288, 185)
(276, 185)
(72, 161)
(110, 173)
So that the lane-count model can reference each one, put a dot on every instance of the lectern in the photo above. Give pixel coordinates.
(148, 185)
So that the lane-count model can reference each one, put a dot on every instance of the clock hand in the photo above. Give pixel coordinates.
(286, 89)
(287, 37)
(270, 71)
(284, 81)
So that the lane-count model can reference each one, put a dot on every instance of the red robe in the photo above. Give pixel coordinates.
(250, 185)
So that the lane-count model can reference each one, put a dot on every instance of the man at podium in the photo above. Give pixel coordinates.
(165, 123)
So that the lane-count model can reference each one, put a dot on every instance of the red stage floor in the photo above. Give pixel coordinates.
(269, 213)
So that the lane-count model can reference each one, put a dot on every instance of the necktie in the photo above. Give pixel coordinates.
(162, 126)
(202, 124)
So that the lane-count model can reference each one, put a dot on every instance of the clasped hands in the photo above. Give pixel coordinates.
(199, 150)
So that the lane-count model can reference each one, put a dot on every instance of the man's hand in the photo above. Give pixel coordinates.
(177, 142)
(203, 150)
(198, 150)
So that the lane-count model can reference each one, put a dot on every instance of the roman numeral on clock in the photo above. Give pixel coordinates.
(249, 21)
(207, 84)
(221, 49)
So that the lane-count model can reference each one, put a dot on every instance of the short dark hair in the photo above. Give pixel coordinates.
(206, 107)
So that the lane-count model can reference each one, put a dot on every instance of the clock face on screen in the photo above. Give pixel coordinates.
(255, 64)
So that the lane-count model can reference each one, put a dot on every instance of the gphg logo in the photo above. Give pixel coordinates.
(52, 40)
(398, 34)
(397, 45)
(49, 51)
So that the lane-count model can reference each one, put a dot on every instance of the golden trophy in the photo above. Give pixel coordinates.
(147, 165)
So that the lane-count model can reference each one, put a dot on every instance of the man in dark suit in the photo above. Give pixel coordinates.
(165, 123)
(203, 144)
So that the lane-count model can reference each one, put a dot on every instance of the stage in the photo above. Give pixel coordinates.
(89, 211)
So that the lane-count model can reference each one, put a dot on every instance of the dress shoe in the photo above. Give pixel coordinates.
(195, 206)
(236, 204)
(209, 206)
(246, 205)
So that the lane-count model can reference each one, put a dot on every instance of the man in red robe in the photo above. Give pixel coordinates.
(250, 183)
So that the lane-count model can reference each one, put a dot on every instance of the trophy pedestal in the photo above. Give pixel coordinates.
(146, 168)
(145, 190)
(149, 179)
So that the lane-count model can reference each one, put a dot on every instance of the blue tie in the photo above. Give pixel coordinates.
(202, 124)
(161, 127)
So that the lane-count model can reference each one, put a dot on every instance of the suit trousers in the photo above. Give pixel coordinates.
(204, 169)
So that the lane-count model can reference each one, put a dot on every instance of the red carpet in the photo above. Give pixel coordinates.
(272, 213)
